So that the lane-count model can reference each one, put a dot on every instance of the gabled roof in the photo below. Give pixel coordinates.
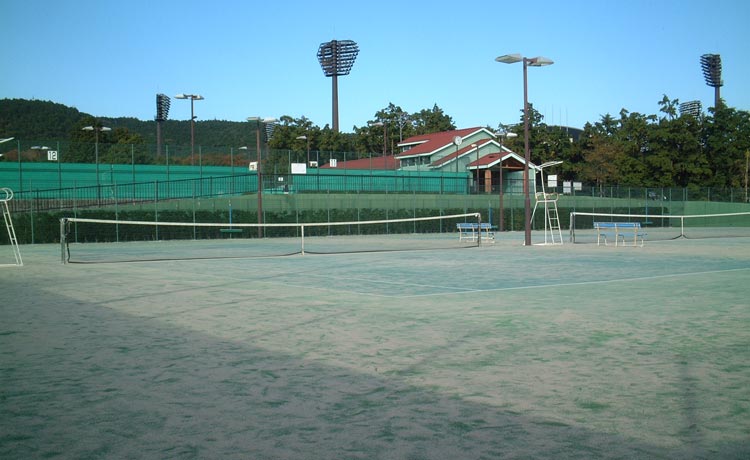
(510, 159)
(427, 144)
(462, 151)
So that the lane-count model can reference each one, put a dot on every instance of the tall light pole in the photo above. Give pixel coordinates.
(305, 138)
(457, 141)
(747, 167)
(476, 168)
(502, 135)
(193, 98)
(403, 119)
(538, 61)
(97, 130)
(43, 148)
(162, 113)
(711, 65)
(18, 149)
(385, 133)
(258, 122)
(337, 58)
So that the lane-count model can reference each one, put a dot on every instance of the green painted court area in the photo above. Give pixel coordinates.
(500, 351)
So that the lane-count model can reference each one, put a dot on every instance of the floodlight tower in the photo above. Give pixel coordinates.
(692, 108)
(337, 58)
(162, 113)
(711, 64)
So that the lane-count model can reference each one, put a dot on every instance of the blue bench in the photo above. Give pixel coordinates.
(470, 231)
(619, 231)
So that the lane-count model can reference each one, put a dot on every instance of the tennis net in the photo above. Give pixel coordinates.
(664, 227)
(84, 240)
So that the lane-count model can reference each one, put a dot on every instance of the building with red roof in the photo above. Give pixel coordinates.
(473, 150)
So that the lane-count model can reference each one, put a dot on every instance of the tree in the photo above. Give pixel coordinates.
(726, 138)
(335, 141)
(431, 121)
(83, 144)
(669, 107)
(601, 157)
(123, 149)
(634, 149)
(634, 135)
(398, 124)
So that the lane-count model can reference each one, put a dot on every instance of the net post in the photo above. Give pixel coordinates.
(302, 228)
(63, 240)
(572, 221)
(479, 229)
(682, 227)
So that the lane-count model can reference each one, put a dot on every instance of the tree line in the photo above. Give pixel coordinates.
(668, 149)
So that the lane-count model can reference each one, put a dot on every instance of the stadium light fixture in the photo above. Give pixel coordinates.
(692, 108)
(711, 65)
(193, 98)
(538, 61)
(337, 58)
(258, 122)
(162, 113)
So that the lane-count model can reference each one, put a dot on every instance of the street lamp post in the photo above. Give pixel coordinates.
(193, 98)
(20, 169)
(403, 119)
(538, 61)
(501, 223)
(97, 130)
(385, 133)
(476, 169)
(258, 122)
(305, 138)
(43, 148)
(7, 139)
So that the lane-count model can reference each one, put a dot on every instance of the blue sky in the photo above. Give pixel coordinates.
(258, 58)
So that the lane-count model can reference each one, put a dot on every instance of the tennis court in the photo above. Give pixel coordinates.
(499, 351)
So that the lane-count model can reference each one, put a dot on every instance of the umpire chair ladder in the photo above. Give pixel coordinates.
(552, 231)
(6, 195)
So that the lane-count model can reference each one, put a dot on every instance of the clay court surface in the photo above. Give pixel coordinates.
(501, 351)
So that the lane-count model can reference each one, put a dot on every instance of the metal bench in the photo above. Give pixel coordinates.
(626, 232)
(469, 231)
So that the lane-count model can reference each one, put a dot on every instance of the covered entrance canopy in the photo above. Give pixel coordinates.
(486, 171)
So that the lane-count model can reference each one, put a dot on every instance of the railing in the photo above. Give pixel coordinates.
(383, 182)
(108, 194)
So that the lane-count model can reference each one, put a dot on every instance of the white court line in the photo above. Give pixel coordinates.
(349, 291)
(479, 291)
(582, 283)
(458, 290)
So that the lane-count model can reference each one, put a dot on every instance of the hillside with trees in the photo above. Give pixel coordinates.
(667, 149)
